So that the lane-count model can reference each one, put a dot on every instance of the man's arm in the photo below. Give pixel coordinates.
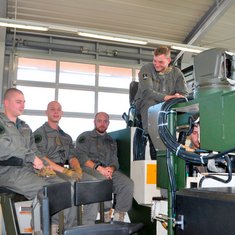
(90, 164)
(82, 148)
(176, 95)
(75, 165)
(41, 144)
(105, 171)
(38, 163)
(53, 165)
(180, 85)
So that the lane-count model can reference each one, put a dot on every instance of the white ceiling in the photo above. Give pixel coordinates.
(206, 23)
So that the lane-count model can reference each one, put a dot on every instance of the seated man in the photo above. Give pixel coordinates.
(97, 153)
(57, 148)
(195, 137)
(195, 145)
(16, 140)
(158, 82)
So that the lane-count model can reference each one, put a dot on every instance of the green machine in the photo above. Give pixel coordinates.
(215, 93)
(214, 102)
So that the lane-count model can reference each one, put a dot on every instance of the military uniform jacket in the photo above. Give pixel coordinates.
(154, 86)
(55, 144)
(16, 140)
(99, 148)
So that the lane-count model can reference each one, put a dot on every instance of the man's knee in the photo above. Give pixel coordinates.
(131, 186)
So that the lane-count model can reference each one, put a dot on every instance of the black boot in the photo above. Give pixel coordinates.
(152, 150)
(139, 144)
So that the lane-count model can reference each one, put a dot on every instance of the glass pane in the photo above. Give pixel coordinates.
(36, 70)
(75, 73)
(77, 101)
(113, 103)
(37, 97)
(114, 77)
(75, 126)
(34, 121)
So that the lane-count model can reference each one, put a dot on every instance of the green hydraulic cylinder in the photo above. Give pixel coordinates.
(178, 171)
(172, 127)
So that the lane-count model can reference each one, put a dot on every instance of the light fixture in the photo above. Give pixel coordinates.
(111, 37)
(177, 46)
(20, 24)
(188, 48)
(32, 25)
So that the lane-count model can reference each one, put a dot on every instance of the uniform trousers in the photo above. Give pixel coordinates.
(123, 187)
(25, 181)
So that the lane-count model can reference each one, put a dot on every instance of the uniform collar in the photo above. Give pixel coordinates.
(95, 133)
(18, 123)
(167, 70)
(47, 126)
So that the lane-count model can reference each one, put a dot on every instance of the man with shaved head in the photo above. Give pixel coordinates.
(56, 145)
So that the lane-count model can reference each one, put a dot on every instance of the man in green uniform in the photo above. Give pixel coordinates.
(57, 146)
(97, 153)
(158, 82)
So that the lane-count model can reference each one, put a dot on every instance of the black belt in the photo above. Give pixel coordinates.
(12, 161)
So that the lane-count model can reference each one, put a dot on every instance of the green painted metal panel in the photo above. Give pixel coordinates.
(179, 165)
(122, 138)
(217, 115)
(210, 121)
(162, 174)
(138, 213)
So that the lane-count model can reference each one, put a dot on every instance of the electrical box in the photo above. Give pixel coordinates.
(206, 211)
(144, 175)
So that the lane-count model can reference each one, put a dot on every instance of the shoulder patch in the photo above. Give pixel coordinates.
(145, 76)
(38, 138)
(82, 139)
(2, 129)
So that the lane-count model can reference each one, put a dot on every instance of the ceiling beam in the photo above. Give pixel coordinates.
(206, 22)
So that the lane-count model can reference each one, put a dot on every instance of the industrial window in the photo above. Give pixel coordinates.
(36, 98)
(116, 103)
(77, 100)
(114, 77)
(82, 89)
(75, 73)
(36, 70)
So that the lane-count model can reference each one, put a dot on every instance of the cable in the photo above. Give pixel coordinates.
(173, 146)
(172, 181)
(197, 157)
(229, 169)
(171, 143)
